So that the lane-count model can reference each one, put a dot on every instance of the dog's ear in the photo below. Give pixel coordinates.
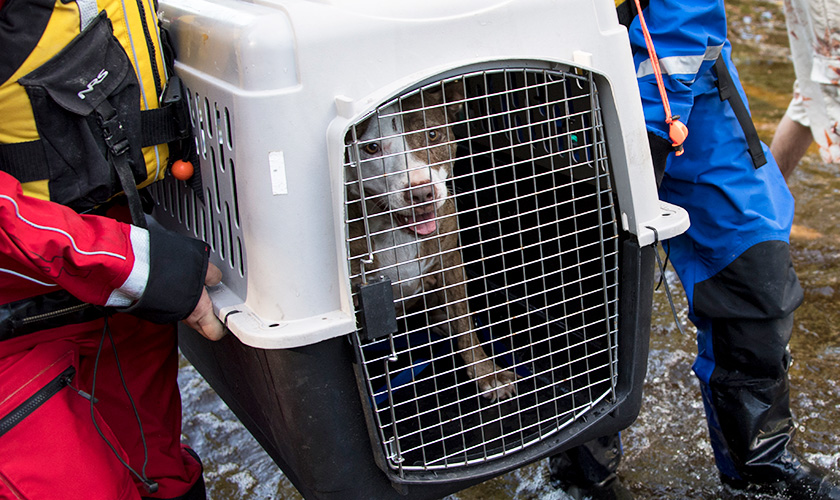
(454, 94)
(361, 128)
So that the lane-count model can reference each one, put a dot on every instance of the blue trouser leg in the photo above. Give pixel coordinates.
(744, 318)
(734, 263)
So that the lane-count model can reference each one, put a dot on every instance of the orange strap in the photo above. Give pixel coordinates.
(677, 130)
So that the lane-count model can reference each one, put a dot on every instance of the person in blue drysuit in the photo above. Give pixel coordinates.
(734, 261)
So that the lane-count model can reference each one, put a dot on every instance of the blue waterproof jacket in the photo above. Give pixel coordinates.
(688, 36)
(732, 204)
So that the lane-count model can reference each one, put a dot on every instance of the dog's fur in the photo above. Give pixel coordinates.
(405, 157)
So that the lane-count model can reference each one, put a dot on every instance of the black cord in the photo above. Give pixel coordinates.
(150, 485)
(662, 276)
(666, 247)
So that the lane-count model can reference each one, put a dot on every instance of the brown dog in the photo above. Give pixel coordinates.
(403, 159)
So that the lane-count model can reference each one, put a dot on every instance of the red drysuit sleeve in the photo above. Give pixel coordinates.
(45, 247)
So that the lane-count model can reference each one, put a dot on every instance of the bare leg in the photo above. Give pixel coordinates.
(790, 142)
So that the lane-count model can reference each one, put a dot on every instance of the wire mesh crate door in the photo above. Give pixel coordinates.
(485, 201)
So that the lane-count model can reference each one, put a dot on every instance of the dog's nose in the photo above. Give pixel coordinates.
(420, 194)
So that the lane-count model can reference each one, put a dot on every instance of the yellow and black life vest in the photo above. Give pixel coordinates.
(626, 10)
(88, 105)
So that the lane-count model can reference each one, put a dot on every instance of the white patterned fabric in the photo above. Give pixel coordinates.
(814, 32)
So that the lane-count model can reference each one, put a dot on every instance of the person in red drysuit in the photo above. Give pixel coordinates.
(50, 447)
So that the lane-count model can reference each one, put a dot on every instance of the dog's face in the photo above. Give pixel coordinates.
(405, 154)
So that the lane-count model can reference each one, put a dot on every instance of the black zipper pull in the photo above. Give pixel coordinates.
(69, 378)
(35, 401)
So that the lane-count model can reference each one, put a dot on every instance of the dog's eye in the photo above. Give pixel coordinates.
(371, 148)
(433, 135)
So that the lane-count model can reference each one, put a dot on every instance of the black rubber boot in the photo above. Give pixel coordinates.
(588, 471)
(744, 316)
(797, 480)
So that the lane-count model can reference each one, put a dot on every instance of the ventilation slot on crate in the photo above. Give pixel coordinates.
(214, 215)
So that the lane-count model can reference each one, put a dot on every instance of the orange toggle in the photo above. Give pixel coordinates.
(182, 170)
(678, 132)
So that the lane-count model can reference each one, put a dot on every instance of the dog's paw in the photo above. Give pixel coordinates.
(499, 385)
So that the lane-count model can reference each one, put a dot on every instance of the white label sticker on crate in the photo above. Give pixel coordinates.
(277, 164)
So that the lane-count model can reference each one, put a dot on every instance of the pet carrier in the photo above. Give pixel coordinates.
(436, 225)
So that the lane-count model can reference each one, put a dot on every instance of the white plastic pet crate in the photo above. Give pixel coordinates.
(553, 194)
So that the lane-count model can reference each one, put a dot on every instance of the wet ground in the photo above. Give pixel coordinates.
(667, 453)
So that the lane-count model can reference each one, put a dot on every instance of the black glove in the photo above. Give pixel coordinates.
(177, 267)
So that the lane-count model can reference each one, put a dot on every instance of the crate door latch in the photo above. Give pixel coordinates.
(376, 305)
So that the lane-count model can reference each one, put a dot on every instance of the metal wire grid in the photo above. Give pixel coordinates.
(538, 239)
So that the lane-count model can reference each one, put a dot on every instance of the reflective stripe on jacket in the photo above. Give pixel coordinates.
(688, 36)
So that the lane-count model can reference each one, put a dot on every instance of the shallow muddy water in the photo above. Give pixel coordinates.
(667, 452)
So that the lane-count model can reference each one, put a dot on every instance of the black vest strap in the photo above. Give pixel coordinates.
(117, 143)
(26, 161)
(159, 126)
(728, 92)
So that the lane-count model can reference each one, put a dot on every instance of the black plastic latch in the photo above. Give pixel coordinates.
(173, 91)
(173, 96)
(376, 305)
